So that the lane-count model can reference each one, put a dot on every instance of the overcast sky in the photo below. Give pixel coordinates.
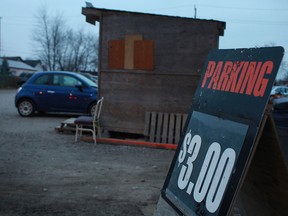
(249, 23)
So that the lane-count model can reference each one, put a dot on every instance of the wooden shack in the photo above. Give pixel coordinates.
(149, 64)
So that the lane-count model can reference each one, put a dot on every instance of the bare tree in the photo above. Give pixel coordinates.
(283, 69)
(80, 52)
(60, 48)
(50, 37)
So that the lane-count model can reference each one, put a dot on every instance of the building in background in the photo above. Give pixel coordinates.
(18, 66)
(37, 64)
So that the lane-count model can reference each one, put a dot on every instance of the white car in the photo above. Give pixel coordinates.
(279, 91)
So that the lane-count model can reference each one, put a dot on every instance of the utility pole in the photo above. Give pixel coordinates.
(0, 35)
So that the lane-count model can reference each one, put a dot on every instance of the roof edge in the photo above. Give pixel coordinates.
(94, 14)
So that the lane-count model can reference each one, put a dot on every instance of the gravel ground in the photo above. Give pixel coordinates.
(43, 172)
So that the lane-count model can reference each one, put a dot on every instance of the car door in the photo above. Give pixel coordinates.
(81, 96)
(68, 94)
(41, 92)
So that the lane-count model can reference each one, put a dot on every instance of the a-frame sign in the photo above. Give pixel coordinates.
(226, 123)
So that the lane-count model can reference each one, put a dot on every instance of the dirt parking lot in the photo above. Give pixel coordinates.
(43, 172)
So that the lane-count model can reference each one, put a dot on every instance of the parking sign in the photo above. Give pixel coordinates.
(221, 131)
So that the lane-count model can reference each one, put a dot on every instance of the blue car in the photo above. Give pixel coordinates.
(56, 92)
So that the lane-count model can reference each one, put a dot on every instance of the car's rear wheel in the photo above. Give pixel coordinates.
(26, 108)
(91, 109)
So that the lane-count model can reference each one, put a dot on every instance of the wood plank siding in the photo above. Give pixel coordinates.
(132, 94)
(149, 63)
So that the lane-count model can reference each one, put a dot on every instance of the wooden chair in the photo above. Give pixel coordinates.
(89, 123)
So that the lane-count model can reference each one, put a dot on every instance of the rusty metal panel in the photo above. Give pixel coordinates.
(116, 54)
(144, 55)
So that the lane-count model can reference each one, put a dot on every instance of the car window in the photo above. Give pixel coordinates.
(88, 81)
(65, 80)
(42, 80)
